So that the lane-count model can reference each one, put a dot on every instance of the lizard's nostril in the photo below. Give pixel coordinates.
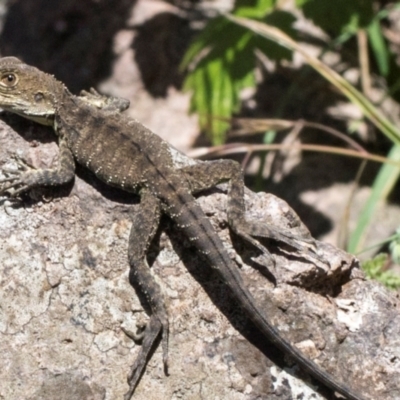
(39, 97)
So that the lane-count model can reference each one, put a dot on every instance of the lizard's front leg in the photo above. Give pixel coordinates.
(144, 227)
(106, 103)
(208, 174)
(27, 178)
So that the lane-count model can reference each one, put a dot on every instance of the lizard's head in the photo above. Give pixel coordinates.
(27, 91)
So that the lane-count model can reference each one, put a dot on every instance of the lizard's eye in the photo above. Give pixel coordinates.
(8, 80)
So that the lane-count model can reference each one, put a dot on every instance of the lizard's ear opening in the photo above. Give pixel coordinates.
(8, 80)
(39, 96)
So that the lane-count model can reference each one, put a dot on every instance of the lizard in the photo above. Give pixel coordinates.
(125, 154)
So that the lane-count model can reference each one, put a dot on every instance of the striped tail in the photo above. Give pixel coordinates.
(191, 219)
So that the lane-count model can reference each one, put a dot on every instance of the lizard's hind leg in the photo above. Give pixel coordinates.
(208, 174)
(144, 227)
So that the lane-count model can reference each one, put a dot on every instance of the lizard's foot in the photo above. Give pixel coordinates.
(20, 180)
(152, 331)
(107, 103)
(139, 334)
(248, 230)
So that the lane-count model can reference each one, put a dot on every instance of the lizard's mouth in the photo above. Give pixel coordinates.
(9, 104)
(44, 118)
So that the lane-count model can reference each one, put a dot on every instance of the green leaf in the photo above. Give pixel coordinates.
(216, 95)
(394, 247)
(338, 16)
(226, 68)
(379, 47)
(384, 182)
(253, 8)
(373, 266)
(374, 269)
(273, 50)
(216, 28)
(225, 54)
(199, 99)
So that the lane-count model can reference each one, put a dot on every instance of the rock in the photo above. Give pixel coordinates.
(65, 297)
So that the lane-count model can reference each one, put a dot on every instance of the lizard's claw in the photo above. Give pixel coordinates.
(306, 246)
(16, 179)
(153, 330)
(106, 103)
(15, 184)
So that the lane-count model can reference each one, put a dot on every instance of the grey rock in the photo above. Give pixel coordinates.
(65, 297)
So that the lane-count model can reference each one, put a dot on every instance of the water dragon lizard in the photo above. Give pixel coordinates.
(123, 153)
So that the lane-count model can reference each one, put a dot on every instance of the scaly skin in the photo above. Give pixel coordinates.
(123, 153)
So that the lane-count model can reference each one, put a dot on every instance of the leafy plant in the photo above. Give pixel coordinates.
(221, 62)
(389, 173)
(375, 269)
(338, 17)
(343, 19)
